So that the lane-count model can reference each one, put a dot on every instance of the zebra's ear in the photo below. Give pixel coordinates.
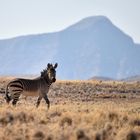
(49, 65)
(55, 66)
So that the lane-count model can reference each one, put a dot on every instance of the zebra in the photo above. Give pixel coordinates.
(32, 87)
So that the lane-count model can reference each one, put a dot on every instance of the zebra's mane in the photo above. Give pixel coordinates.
(43, 73)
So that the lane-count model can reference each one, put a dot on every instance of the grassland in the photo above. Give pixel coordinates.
(80, 110)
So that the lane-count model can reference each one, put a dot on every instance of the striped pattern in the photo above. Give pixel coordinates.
(36, 87)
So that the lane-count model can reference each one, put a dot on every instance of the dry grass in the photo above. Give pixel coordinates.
(80, 110)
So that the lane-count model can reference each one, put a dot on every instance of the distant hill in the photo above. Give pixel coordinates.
(90, 47)
(101, 78)
(132, 79)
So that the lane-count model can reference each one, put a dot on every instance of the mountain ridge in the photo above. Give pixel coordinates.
(100, 49)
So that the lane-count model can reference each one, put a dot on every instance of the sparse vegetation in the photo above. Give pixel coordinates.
(80, 110)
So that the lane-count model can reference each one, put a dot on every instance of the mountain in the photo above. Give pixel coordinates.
(90, 47)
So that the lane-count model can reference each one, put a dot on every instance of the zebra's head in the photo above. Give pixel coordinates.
(50, 74)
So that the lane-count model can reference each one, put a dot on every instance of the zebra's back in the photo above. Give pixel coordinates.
(26, 87)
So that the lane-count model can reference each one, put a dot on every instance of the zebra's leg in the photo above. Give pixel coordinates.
(8, 99)
(25, 98)
(47, 101)
(15, 98)
(38, 101)
(14, 101)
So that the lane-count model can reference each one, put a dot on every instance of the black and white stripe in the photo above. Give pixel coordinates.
(35, 87)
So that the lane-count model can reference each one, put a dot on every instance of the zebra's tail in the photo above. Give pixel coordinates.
(7, 97)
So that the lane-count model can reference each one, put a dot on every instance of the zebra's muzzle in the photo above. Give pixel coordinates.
(53, 80)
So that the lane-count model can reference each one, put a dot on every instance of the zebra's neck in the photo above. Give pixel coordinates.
(48, 82)
(46, 79)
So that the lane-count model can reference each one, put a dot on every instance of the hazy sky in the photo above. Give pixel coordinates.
(21, 17)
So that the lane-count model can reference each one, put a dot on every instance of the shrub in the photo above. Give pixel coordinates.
(66, 121)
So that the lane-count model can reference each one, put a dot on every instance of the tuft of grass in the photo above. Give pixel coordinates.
(132, 135)
(81, 135)
(113, 116)
(39, 135)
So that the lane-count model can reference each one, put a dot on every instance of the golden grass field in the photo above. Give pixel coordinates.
(80, 110)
